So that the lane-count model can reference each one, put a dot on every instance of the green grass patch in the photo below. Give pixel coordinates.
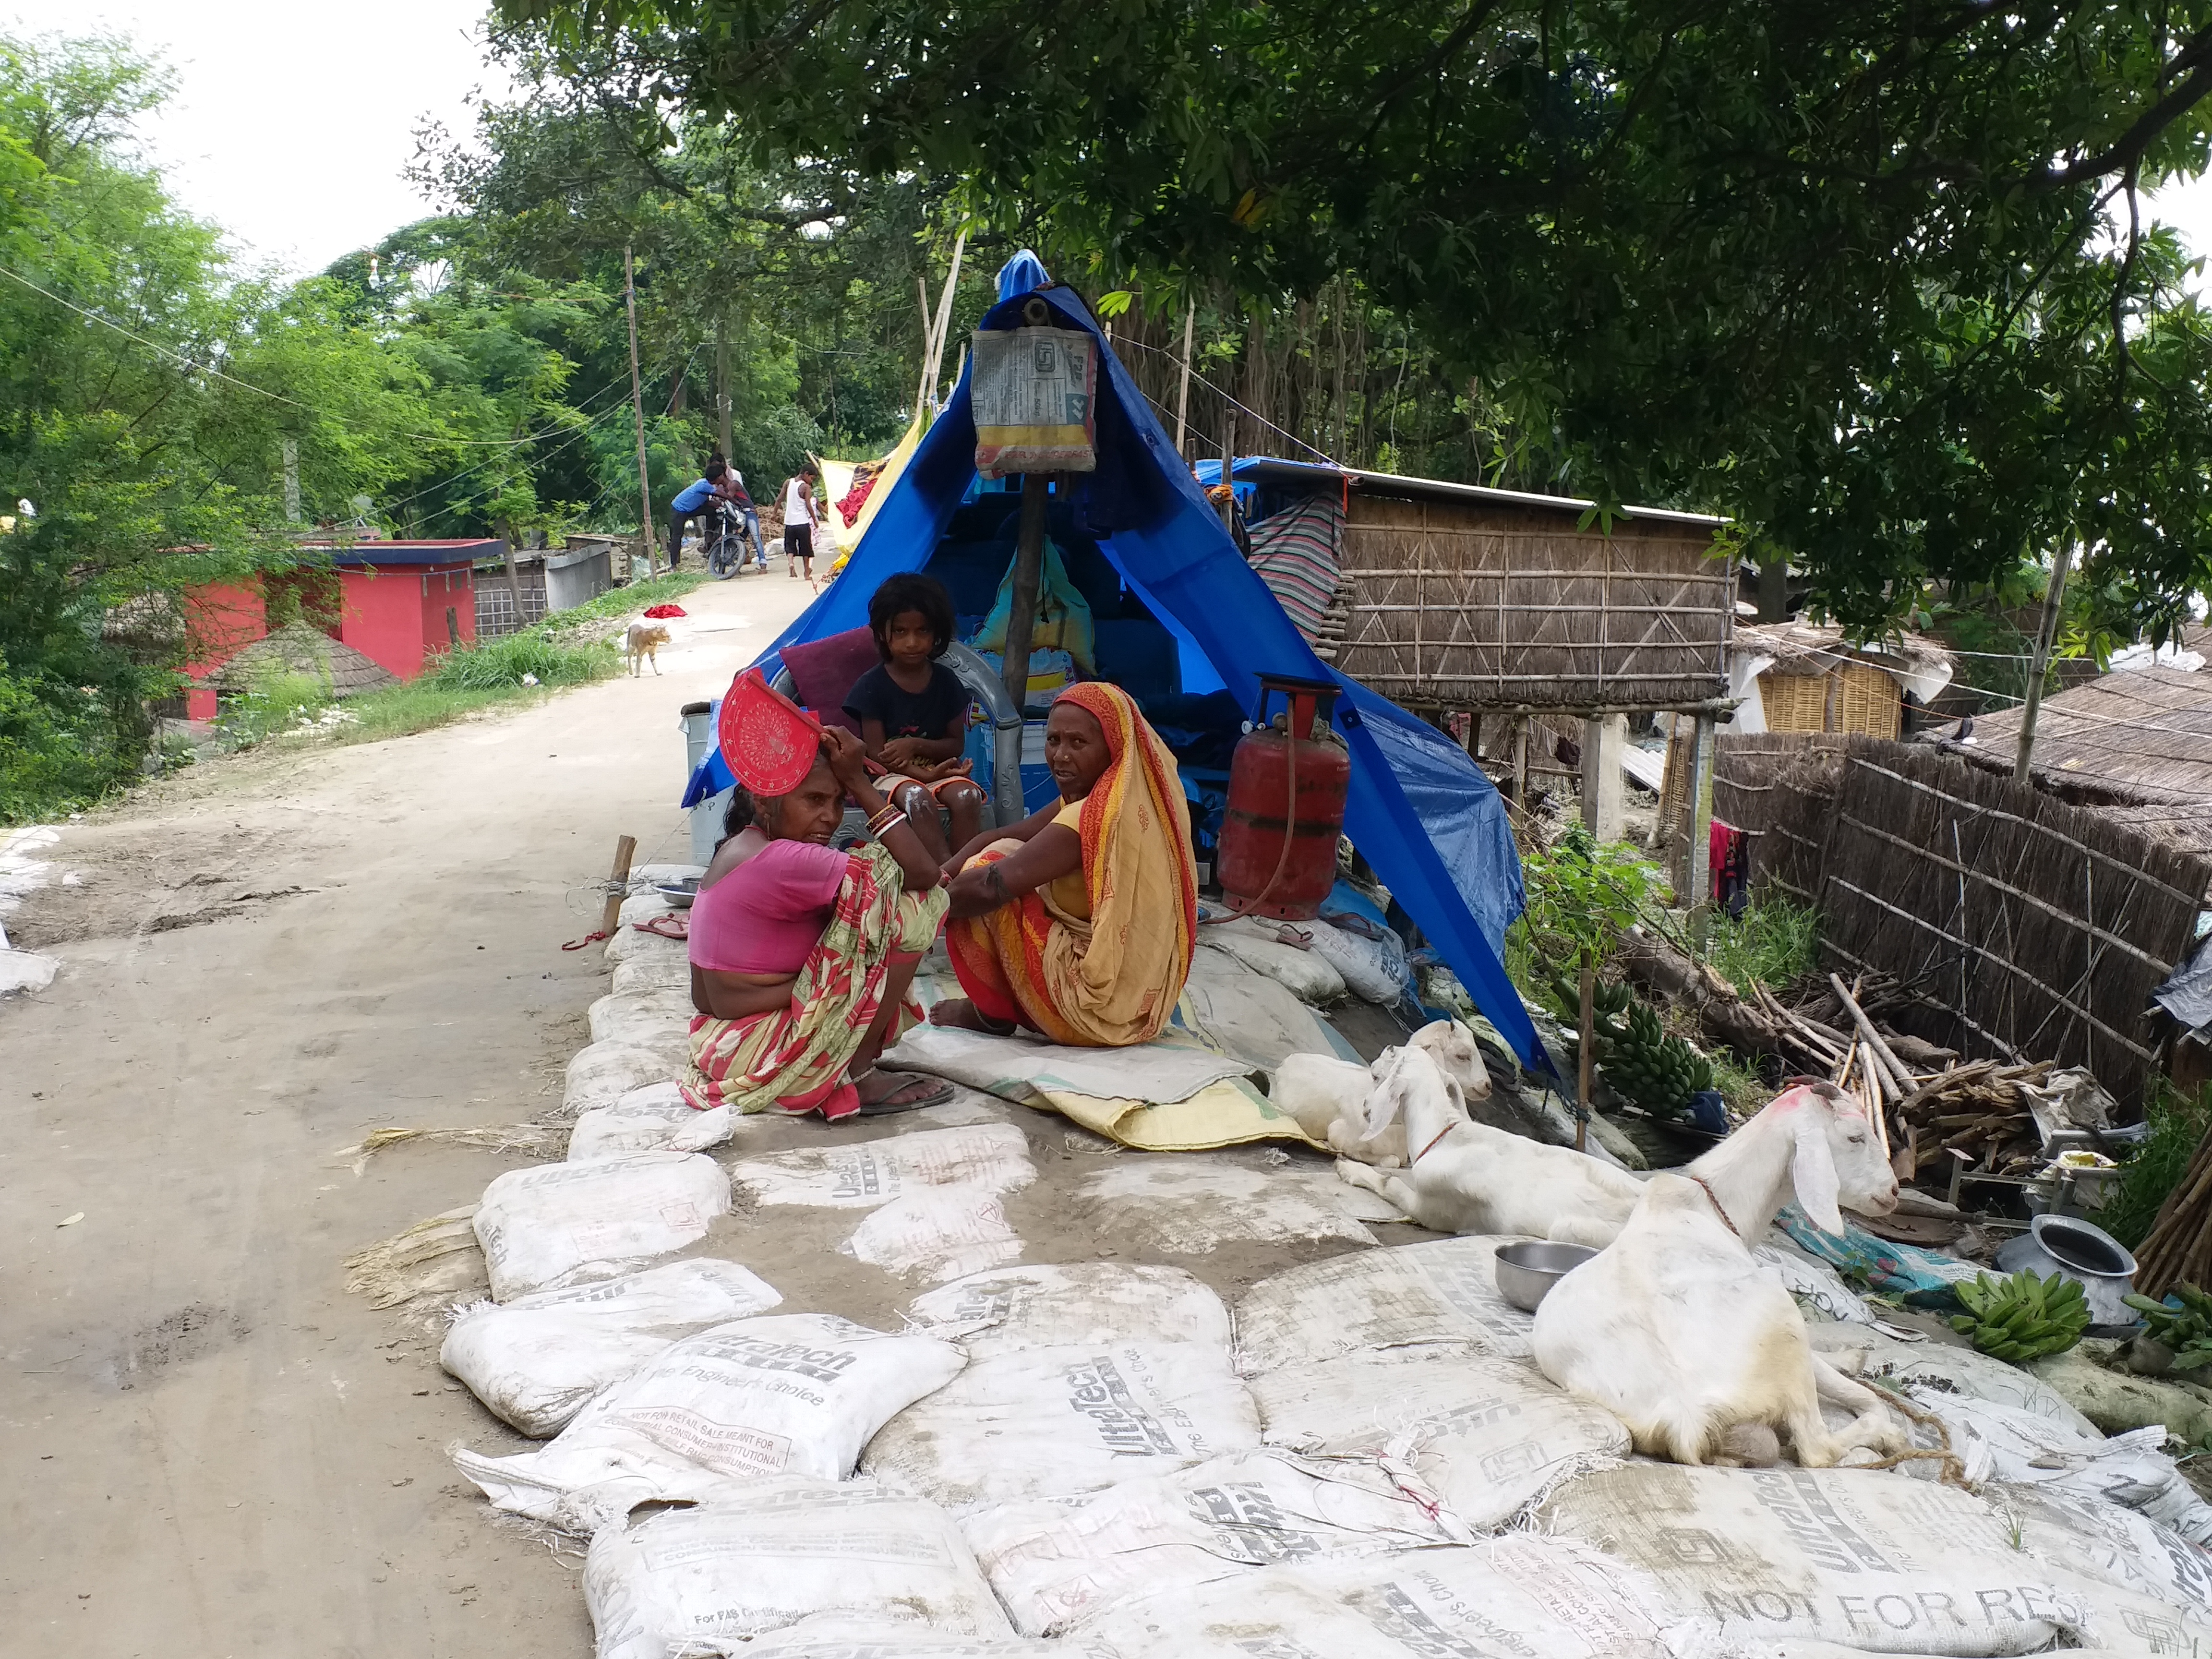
(619, 602)
(2177, 1125)
(514, 670)
(1773, 941)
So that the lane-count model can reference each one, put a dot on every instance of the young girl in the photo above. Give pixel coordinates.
(912, 712)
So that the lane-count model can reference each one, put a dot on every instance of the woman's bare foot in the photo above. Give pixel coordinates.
(963, 1015)
(897, 1091)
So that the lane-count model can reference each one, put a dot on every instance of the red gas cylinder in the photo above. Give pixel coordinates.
(1286, 789)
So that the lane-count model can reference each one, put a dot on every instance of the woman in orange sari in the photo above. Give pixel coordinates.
(1079, 922)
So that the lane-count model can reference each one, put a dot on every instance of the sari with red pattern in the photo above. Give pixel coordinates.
(794, 1059)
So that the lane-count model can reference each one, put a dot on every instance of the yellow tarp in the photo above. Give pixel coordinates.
(838, 483)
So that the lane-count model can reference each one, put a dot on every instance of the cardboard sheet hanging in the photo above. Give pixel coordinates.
(768, 741)
(1034, 396)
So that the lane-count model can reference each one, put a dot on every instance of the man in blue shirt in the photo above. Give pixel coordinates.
(690, 502)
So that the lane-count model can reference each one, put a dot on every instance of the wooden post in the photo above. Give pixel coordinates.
(1699, 897)
(1182, 394)
(1229, 470)
(637, 407)
(1520, 761)
(1028, 575)
(1584, 1080)
(722, 385)
(617, 881)
(2053, 598)
(1474, 736)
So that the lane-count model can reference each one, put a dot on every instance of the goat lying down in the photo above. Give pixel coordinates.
(1679, 1331)
(1466, 1177)
(1333, 1100)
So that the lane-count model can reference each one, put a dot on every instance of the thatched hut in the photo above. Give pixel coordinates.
(1805, 677)
(2137, 746)
(302, 648)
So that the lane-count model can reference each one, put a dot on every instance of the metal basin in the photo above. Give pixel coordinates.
(2066, 1244)
(1526, 1271)
(678, 893)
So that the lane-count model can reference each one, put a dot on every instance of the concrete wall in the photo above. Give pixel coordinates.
(219, 621)
(399, 615)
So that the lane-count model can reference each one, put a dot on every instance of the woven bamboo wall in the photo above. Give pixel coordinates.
(1780, 788)
(1476, 604)
(2032, 925)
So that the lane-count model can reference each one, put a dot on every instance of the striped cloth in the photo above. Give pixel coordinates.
(1294, 552)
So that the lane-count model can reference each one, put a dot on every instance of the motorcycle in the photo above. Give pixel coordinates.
(727, 543)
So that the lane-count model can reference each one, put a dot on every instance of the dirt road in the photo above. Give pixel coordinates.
(206, 1446)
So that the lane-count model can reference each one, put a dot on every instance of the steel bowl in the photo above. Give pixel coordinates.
(1526, 1271)
(2081, 1251)
(678, 893)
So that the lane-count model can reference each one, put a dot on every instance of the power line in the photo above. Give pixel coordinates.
(1230, 401)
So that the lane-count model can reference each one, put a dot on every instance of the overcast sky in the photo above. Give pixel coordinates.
(294, 121)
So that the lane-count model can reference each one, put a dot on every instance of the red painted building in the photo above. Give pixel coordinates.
(400, 604)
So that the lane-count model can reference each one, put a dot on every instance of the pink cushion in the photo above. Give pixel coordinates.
(822, 671)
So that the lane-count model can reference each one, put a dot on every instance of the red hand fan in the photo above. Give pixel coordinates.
(769, 741)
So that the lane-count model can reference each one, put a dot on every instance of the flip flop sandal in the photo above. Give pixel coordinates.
(936, 1097)
(668, 927)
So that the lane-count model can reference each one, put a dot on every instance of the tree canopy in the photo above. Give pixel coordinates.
(1871, 277)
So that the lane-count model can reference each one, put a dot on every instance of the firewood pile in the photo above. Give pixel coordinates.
(1926, 1104)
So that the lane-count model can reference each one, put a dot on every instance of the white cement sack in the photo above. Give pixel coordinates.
(2022, 1449)
(1020, 1069)
(644, 877)
(934, 1233)
(1012, 1310)
(1515, 1597)
(1864, 1351)
(644, 907)
(2120, 1621)
(661, 1022)
(1050, 1422)
(1443, 1294)
(1374, 970)
(603, 1072)
(796, 1394)
(2116, 1546)
(1057, 1562)
(1311, 975)
(649, 975)
(835, 1636)
(1852, 1556)
(537, 1361)
(709, 1580)
(654, 1119)
(1486, 1436)
(628, 944)
(1248, 1015)
(557, 1224)
(1190, 1204)
(1817, 1288)
(861, 1177)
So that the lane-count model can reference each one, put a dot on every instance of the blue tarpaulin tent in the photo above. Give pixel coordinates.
(1424, 815)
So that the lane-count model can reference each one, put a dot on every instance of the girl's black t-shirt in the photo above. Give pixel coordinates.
(928, 712)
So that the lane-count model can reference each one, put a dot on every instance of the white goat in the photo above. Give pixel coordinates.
(1676, 1329)
(1466, 1177)
(1335, 1101)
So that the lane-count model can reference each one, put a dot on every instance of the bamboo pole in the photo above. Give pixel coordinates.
(1021, 603)
(2053, 598)
(637, 407)
(1182, 394)
(943, 323)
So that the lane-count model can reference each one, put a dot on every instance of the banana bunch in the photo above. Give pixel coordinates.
(2187, 1329)
(2022, 1318)
(1657, 1071)
(1608, 1002)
